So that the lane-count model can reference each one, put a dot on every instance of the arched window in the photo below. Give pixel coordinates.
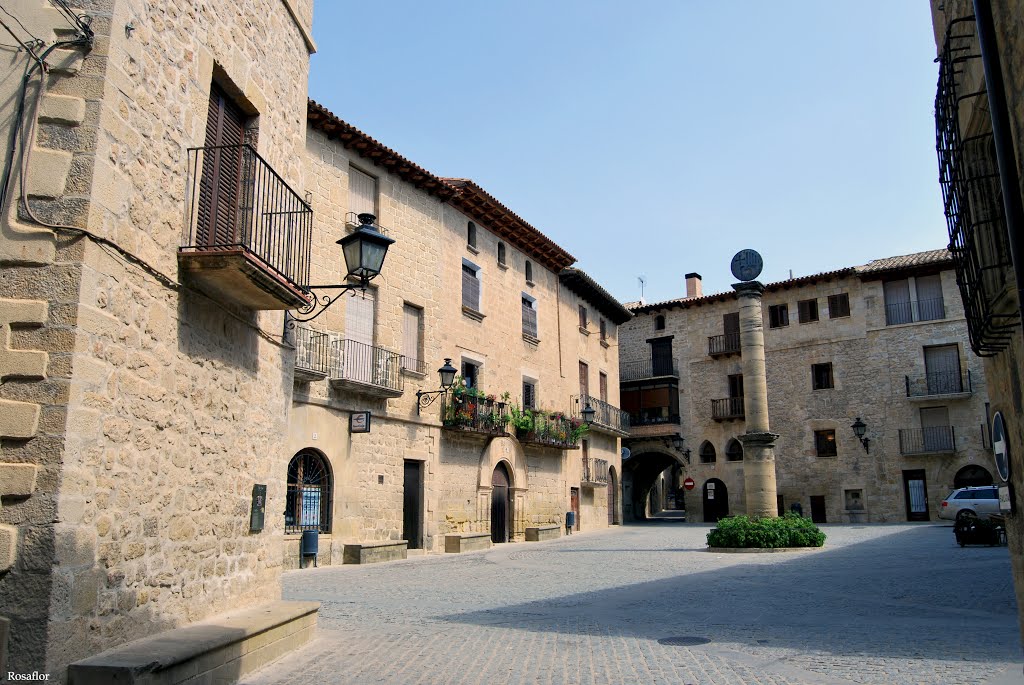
(734, 451)
(308, 502)
(659, 322)
(529, 271)
(501, 253)
(707, 453)
(471, 234)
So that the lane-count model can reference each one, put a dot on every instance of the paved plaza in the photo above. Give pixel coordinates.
(883, 604)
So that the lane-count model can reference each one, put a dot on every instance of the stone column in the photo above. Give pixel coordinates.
(759, 441)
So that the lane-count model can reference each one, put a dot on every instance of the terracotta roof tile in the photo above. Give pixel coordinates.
(907, 261)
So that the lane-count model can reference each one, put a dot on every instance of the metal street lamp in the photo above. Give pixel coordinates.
(364, 251)
(447, 375)
(588, 414)
(859, 429)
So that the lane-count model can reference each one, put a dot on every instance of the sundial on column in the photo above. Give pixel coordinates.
(746, 265)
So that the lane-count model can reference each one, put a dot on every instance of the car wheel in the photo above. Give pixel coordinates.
(965, 514)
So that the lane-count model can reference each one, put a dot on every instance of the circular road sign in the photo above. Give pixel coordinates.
(689, 484)
(1001, 446)
(746, 265)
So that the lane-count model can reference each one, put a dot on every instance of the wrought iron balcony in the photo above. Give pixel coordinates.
(247, 234)
(608, 419)
(475, 415)
(915, 310)
(939, 383)
(933, 440)
(652, 416)
(723, 345)
(365, 369)
(352, 224)
(727, 409)
(554, 429)
(312, 353)
(595, 472)
(648, 368)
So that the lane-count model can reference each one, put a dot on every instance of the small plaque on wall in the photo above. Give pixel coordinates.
(258, 510)
(359, 422)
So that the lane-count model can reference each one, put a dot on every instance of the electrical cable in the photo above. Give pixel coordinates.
(34, 37)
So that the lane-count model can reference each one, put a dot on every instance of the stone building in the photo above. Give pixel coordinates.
(885, 343)
(467, 280)
(979, 117)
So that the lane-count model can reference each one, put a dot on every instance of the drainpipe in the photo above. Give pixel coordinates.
(1003, 138)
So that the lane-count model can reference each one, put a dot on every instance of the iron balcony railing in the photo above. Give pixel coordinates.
(474, 415)
(352, 224)
(312, 351)
(938, 383)
(652, 416)
(727, 343)
(554, 429)
(914, 310)
(727, 408)
(236, 201)
(647, 368)
(366, 364)
(927, 440)
(607, 416)
(595, 471)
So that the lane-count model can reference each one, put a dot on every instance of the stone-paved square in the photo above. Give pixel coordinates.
(880, 604)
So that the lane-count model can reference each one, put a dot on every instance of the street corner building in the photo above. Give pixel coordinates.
(200, 385)
(979, 123)
(884, 345)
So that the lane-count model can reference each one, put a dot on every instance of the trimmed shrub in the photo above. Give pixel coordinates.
(791, 530)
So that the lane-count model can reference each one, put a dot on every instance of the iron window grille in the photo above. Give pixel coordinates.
(971, 192)
(308, 498)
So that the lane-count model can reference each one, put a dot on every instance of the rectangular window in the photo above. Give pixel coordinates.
(471, 234)
(942, 369)
(529, 316)
(825, 443)
(821, 376)
(930, 305)
(604, 330)
(897, 302)
(217, 222)
(471, 287)
(412, 337)
(736, 385)
(583, 317)
(602, 379)
(808, 310)
(584, 379)
(838, 305)
(529, 394)
(362, 192)
(471, 374)
(778, 316)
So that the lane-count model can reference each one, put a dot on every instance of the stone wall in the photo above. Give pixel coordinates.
(154, 398)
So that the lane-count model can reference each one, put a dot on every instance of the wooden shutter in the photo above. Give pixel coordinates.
(584, 379)
(362, 192)
(412, 318)
(529, 395)
(217, 223)
(529, 318)
(470, 288)
(603, 380)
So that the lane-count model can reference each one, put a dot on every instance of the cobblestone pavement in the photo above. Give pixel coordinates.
(883, 604)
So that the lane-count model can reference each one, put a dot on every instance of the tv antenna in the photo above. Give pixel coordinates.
(642, 280)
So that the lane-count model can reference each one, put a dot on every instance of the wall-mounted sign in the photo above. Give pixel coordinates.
(1001, 446)
(359, 422)
(689, 483)
(1006, 498)
(257, 513)
(746, 265)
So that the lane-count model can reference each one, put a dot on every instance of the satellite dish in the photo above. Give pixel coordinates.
(625, 453)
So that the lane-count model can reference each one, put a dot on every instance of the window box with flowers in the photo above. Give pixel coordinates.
(547, 428)
(471, 410)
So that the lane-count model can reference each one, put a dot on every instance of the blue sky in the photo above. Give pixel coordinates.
(659, 138)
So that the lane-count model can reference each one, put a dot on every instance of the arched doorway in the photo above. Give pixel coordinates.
(613, 497)
(308, 497)
(972, 475)
(716, 500)
(640, 474)
(501, 509)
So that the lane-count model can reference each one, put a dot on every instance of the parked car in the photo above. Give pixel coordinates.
(980, 502)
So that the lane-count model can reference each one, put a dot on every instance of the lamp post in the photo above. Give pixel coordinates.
(364, 251)
(859, 429)
(588, 414)
(447, 375)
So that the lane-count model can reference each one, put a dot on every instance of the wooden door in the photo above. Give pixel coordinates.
(613, 498)
(661, 357)
(915, 491)
(412, 504)
(357, 353)
(219, 187)
(716, 500)
(574, 505)
(500, 513)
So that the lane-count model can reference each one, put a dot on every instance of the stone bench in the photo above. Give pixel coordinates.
(374, 552)
(466, 542)
(538, 533)
(223, 648)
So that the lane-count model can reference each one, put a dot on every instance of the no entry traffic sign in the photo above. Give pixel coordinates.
(689, 484)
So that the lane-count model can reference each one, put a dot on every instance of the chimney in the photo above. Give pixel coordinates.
(693, 285)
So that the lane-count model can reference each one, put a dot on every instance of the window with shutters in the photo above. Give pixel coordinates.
(471, 374)
(825, 443)
(584, 379)
(362, 192)
(470, 288)
(529, 272)
(529, 317)
(529, 394)
(603, 328)
(602, 379)
(807, 310)
(821, 376)
(501, 254)
(778, 315)
(220, 190)
(838, 305)
(471, 235)
(583, 319)
(412, 338)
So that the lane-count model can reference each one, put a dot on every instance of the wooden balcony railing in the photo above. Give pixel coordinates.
(725, 344)
(727, 409)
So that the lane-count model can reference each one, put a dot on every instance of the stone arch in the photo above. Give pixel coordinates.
(503, 450)
(707, 453)
(733, 450)
(638, 475)
(972, 475)
(309, 494)
(715, 498)
(614, 492)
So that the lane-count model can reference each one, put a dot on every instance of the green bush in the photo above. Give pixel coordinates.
(790, 530)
